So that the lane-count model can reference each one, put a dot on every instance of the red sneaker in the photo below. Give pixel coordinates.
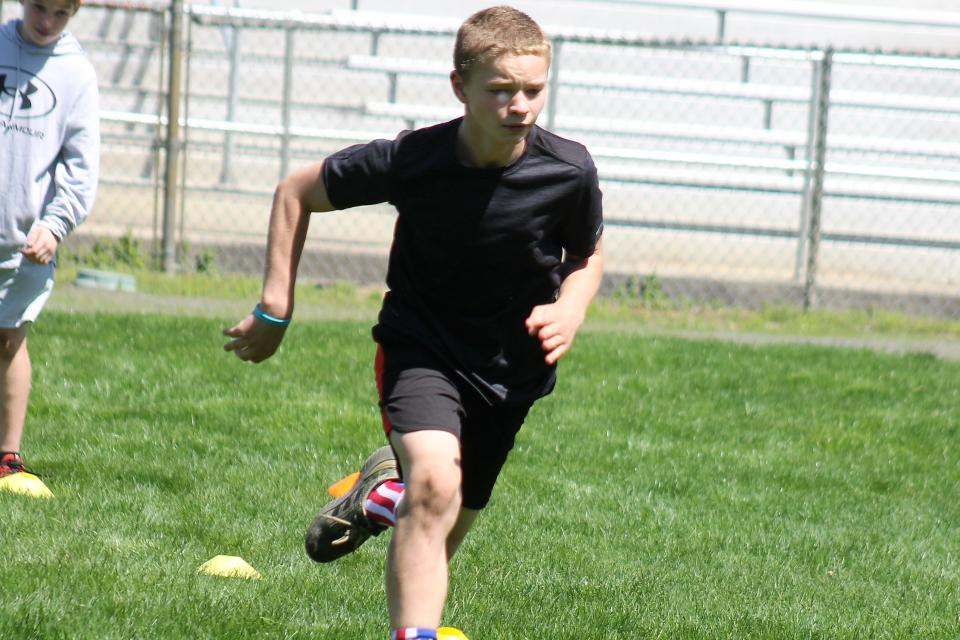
(11, 463)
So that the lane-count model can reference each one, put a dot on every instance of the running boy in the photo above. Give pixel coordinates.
(49, 161)
(495, 258)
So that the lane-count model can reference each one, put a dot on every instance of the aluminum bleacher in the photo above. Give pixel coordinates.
(707, 148)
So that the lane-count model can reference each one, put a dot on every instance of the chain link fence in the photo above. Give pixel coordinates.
(732, 173)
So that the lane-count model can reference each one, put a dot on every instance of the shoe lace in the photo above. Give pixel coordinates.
(16, 465)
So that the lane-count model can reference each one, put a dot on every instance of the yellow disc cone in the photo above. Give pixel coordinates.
(342, 486)
(451, 633)
(25, 484)
(229, 567)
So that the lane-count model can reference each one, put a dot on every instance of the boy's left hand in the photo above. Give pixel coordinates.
(555, 325)
(41, 245)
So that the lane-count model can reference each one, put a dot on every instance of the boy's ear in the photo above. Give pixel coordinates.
(457, 82)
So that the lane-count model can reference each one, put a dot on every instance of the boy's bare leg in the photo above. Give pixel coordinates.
(417, 557)
(14, 386)
(464, 521)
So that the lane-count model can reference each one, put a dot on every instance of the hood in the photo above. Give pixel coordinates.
(65, 45)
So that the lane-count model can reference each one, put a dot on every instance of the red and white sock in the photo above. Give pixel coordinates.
(382, 503)
(413, 633)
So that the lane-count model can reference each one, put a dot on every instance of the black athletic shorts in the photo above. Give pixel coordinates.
(419, 392)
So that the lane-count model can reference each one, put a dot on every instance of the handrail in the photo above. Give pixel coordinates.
(799, 10)
(379, 23)
(783, 8)
(396, 22)
(807, 10)
(365, 21)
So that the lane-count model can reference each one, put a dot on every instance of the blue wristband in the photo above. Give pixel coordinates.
(263, 316)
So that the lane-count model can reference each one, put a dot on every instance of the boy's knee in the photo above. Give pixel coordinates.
(434, 491)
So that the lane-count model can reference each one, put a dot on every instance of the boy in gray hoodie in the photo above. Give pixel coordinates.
(49, 163)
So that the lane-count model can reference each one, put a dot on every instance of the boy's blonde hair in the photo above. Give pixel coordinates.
(491, 33)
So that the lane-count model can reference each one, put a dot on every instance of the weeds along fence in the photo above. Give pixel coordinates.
(731, 173)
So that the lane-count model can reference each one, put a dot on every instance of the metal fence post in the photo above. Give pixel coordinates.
(173, 139)
(187, 54)
(816, 182)
(151, 168)
(226, 171)
(554, 92)
(287, 98)
(803, 229)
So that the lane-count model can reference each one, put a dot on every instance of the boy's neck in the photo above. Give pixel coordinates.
(474, 149)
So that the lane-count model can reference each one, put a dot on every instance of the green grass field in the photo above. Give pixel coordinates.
(669, 489)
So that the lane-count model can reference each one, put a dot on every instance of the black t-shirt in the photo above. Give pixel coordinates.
(474, 249)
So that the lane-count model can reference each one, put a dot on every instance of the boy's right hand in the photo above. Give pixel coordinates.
(253, 340)
(41, 246)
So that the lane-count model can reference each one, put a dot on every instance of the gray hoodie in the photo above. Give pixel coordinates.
(49, 138)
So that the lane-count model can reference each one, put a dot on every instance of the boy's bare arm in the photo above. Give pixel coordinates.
(296, 197)
(556, 324)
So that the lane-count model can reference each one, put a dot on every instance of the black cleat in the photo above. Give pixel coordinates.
(342, 524)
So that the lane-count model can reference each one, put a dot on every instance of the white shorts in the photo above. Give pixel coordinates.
(23, 292)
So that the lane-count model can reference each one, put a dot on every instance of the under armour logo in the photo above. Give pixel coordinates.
(11, 91)
(31, 100)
